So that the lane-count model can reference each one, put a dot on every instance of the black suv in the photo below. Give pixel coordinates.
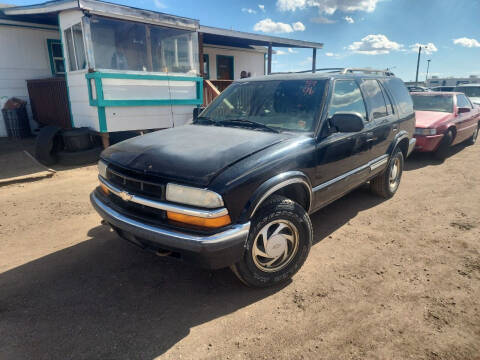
(236, 187)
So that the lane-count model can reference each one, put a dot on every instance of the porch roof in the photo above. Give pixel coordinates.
(218, 36)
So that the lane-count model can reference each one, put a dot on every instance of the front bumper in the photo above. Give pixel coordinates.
(211, 251)
(428, 142)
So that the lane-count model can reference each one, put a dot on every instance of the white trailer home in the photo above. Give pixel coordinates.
(110, 67)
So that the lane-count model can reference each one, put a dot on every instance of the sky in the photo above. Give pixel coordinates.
(355, 33)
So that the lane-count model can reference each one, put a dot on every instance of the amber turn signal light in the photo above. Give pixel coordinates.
(199, 221)
(104, 189)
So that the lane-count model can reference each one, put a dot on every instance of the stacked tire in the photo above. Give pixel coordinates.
(67, 147)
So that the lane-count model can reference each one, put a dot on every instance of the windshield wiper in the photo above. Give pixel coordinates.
(249, 123)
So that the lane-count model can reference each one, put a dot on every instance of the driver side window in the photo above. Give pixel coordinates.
(348, 98)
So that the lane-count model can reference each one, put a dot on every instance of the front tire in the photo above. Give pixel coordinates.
(278, 244)
(444, 147)
(386, 183)
(473, 138)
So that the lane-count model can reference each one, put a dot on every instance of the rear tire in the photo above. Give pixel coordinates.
(473, 138)
(444, 148)
(386, 183)
(278, 244)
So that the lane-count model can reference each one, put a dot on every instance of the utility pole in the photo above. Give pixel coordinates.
(428, 67)
(418, 64)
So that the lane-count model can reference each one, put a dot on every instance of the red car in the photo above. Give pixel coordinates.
(444, 119)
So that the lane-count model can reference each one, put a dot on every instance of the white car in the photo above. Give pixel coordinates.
(472, 91)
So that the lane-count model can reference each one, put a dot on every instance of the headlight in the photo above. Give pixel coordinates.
(102, 169)
(193, 196)
(421, 131)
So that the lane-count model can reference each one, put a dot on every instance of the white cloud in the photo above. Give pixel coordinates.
(261, 7)
(349, 19)
(291, 51)
(466, 42)
(159, 4)
(280, 52)
(298, 26)
(249, 11)
(269, 26)
(428, 49)
(374, 45)
(328, 6)
(322, 20)
(329, 54)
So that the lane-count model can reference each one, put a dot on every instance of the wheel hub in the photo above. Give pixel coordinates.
(276, 246)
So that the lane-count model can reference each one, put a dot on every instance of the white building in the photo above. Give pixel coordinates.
(109, 67)
(452, 81)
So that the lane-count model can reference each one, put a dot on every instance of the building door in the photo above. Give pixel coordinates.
(224, 67)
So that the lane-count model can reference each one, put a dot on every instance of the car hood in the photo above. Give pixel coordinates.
(192, 154)
(431, 119)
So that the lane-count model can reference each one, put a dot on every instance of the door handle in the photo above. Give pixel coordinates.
(395, 128)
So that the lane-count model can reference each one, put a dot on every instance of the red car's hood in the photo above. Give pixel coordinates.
(431, 119)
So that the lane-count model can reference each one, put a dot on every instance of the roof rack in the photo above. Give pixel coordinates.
(367, 71)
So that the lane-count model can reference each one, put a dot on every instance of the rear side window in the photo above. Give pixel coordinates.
(401, 96)
(347, 97)
(375, 97)
(463, 102)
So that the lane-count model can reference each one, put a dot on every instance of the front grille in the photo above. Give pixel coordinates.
(142, 211)
(136, 186)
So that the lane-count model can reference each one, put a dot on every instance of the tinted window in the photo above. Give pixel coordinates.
(281, 104)
(442, 103)
(375, 98)
(347, 98)
(463, 102)
(387, 101)
(400, 95)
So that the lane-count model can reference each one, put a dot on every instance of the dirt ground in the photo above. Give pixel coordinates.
(396, 279)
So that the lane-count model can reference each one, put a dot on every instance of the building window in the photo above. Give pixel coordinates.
(128, 45)
(206, 66)
(75, 49)
(55, 53)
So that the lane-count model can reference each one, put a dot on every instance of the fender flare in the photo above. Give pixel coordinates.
(274, 184)
(399, 137)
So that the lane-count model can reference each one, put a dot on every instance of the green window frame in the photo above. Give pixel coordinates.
(232, 72)
(206, 67)
(55, 59)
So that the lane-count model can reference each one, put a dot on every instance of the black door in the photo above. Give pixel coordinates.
(383, 117)
(342, 157)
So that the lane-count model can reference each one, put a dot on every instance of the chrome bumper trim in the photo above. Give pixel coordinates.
(168, 237)
(185, 210)
(411, 145)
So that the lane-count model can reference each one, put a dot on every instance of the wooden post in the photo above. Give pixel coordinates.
(200, 54)
(314, 60)
(105, 140)
(269, 60)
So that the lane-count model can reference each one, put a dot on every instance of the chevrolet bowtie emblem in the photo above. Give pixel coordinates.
(126, 196)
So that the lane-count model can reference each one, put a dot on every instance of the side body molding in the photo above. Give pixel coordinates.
(274, 184)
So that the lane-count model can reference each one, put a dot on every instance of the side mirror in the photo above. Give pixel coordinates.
(462, 110)
(347, 122)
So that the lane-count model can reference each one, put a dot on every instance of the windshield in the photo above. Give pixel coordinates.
(279, 104)
(442, 103)
(470, 91)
